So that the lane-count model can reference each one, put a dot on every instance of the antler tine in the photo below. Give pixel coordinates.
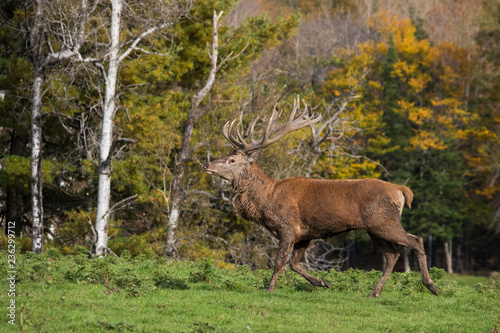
(251, 129)
(271, 125)
(293, 123)
(227, 132)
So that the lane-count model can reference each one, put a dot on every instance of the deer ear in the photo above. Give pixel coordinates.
(253, 156)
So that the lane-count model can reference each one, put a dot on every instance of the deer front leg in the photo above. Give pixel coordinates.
(298, 252)
(284, 249)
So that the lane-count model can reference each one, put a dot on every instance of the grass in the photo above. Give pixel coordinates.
(74, 294)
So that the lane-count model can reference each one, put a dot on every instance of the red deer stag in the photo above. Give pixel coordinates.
(298, 210)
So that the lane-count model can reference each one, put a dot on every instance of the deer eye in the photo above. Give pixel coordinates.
(232, 160)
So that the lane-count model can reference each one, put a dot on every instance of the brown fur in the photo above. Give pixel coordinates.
(298, 210)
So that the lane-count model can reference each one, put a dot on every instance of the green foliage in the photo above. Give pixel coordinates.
(139, 275)
(148, 253)
(205, 271)
(136, 245)
(167, 281)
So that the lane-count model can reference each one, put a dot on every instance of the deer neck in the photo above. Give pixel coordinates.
(252, 191)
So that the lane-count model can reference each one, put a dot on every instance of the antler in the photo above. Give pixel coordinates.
(273, 128)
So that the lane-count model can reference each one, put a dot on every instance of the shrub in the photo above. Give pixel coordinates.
(205, 272)
(148, 253)
(166, 281)
(436, 274)
(126, 254)
(53, 253)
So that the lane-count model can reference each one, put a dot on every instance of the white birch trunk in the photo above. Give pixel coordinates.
(448, 255)
(406, 259)
(172, 224)
(36, 164)
(194, 114)
(104, 185)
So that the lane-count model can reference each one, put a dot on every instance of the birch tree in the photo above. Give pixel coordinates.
(164, 14)
(194, 114)
(243, 45)
(52, 39)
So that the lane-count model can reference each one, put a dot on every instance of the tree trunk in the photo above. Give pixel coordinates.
(173, 219)
(351, 248)
(406, 259)
(449, 258)
(194, 115)
(104, 168)
(176, 192)
(36, 162)
(38, 33)
(460, 259)
(429, 254)
(14, 206)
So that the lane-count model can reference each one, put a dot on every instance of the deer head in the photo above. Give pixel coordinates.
(247, 146)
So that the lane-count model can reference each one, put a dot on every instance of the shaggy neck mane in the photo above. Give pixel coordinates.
(254, 176)
(251, 191)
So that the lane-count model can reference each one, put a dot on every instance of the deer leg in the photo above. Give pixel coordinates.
(391, 255)
(398, 235)
(298, 252)
(422, 262)
(283, 251)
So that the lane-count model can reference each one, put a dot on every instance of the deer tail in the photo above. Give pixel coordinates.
(408, 195)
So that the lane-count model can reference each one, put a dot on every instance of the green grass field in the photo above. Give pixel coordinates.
(75, 294)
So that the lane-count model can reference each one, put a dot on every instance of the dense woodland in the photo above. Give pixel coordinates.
(137, 92)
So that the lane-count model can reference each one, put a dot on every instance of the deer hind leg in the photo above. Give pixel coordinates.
(418, 248)
(398, 235)
(391, 255)
(298, 253)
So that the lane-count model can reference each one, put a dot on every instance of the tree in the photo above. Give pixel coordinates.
(415, 94)
(485, 100)
(265, 36)
(193, 117)
(51, 41)
(163, 15)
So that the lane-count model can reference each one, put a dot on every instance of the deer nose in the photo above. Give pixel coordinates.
(205, 167)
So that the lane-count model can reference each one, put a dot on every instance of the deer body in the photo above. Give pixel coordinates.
(298, 210)
(315, 208)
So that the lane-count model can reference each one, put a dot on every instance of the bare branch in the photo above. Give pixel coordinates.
(138, 39)
(115, 144)
(229, 58)
(198, 97)
(122, 203)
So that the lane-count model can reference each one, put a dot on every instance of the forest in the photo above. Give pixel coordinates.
(110, 109)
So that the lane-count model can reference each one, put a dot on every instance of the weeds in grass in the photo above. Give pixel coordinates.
(203, 328)
(119, 326)
(492, 288)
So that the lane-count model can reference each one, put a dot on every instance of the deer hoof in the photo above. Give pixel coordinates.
(326, 284)
(433, 289)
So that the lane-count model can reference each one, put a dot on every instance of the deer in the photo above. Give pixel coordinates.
(298, 210)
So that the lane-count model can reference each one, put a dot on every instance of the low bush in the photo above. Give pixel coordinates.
(147, 272)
